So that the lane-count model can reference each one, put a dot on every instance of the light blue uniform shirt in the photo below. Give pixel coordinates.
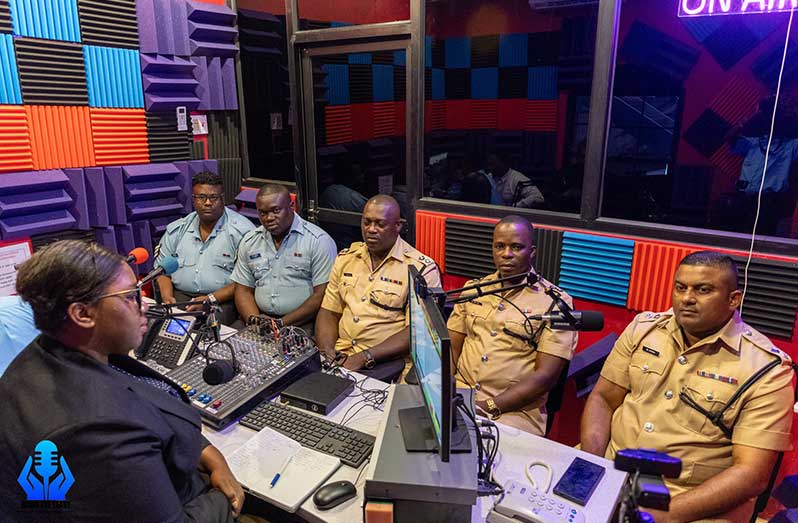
(284, 279)
(203, 266)
(783, 151)
(17, 328)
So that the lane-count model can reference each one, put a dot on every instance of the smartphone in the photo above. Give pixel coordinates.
(579, 481)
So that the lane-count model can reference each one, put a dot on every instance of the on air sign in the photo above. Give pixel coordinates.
(734, 7)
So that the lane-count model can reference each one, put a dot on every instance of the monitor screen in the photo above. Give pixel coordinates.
(178, 327)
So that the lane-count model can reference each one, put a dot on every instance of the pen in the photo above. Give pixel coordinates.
(281, 472)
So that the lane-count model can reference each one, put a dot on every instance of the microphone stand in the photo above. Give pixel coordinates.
(443, 297)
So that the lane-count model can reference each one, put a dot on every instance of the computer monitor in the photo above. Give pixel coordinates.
(435, 426)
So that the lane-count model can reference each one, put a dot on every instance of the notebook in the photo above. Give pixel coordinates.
(267, 453)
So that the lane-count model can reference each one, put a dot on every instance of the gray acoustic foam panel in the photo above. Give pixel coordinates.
(50, 72)
(5, 18)
(109, 23)
(43, 240)
(224, 135)
(231, 170)
(197, 150)
(166, 143)
(771, 300)
(549, 252)
(469, 248)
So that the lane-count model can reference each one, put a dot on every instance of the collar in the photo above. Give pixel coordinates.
(729, 336)
(297, 226)
(397, 252)
(193, 226)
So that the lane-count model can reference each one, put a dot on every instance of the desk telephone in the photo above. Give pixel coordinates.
(520, 503)
(168, 342)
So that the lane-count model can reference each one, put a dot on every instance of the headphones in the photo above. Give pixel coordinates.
(218, 371)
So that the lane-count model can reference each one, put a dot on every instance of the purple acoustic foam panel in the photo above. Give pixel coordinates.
(158, 226)
(143, 238)
(36, 202)
(125, 242)
(217, 83)
(163, 26)
(188, 170)
(246, 201)
(115, 196)
(229, 85)
(169, 82)
(212, 30)
(96, 196)
(152, 190)
(77, 190)
(106, 237)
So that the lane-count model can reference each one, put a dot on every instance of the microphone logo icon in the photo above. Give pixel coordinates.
(46, 477)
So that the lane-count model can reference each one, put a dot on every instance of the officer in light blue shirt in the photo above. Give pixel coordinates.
(17, 328)
(283, 266)
(205, 244)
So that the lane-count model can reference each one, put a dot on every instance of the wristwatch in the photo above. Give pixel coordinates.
(370, 361)
(212, 298)
(493, 409)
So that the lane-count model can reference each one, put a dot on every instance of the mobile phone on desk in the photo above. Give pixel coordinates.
(579, 481)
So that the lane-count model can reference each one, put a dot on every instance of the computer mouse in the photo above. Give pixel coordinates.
(333, 494)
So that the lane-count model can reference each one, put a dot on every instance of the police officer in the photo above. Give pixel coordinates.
(283, 265)
(205, 244)
(511, 362)
(363, 312)
(669, 372)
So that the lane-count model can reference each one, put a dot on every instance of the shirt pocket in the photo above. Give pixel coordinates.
(710, 395)
(298, 268)
(187, 258)
(260, 269)
(387, 301)
(520, 338)
(645, 371)
(224, 265)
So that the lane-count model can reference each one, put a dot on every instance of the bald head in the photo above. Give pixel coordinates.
(390, 205)
(522, 225)
(381, 223)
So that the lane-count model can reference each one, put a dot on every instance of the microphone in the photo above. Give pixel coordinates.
(137, 256)
(218, 372)
(573, 321)
(168, 266)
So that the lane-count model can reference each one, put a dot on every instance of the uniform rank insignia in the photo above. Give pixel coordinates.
(713, 376)
(298, 254)
(226, 255)
(397, 282)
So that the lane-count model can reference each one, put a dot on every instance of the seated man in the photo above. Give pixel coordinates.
(668, 371)
(363, 312)
(507, 181)
(205, 244)
(16, 328)
(511, 363)
(283, 265)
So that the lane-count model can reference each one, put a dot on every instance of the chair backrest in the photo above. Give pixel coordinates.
(762, 499)
(554, 401)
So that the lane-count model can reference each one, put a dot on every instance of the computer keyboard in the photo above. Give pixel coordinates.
(352, 446)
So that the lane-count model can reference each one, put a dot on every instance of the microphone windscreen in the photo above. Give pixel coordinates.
(592, 321)
(218, 372)
(138, 256)
(169, 265)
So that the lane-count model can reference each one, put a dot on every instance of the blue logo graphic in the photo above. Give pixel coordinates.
(50, 478)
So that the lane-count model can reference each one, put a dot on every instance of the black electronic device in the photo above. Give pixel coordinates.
(579, 481)
(264, 367)
(333, 494)
(167, 343)
(317, 392)
(350, 445)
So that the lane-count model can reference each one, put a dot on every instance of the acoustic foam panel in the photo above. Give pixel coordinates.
(50, 19)
(513, 50)
(540, 115)
(548, 254)
(513, 82)
(437, 53)
(458, 84)
(223, 135)
(113, 77)
(731, 42)
(701, 27)
(653, 268)
(5, 18)
(437, 84)
(772, 296)
(655, 50)
(231, 170)
(338, 123)
(542, 83)
(382, 57)
(245, 201)
(198, 149)
(485, 83)
(469, 249)
(60, 136)
(43, 240)
(358, 58)
(51, 73)
(169, 82)
(216, 79)
(166, 143)
(187, 172)
(385, 119)
(484, 114)
(10, 92)
(360, 84)
(431, 237)
(14, 139)
(382, 83)
(142, 236)
(337, 83)
(457, 52)
(109, 23)
(707, 133)
(138, 192)
(596, 268)
(120, 136)
(96, 195)
(212, 30)
(485, 51)
(163, 27)
(767, 67)
(399, 83)
(40, 202)
(738, 99)
(543, 48)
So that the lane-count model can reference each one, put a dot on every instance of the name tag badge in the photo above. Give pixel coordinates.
(348, 274)
(650, 351)
(254, 256)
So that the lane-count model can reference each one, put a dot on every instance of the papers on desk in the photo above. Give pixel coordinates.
(266, 453)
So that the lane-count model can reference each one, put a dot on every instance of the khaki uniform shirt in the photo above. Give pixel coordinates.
(652, 361)
(353, 287)
(492, 360)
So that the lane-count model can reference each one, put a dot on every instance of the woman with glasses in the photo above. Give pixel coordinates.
(87, 430)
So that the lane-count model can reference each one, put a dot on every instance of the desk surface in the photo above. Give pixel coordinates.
(516, 450)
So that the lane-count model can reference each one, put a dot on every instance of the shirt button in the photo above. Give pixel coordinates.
(648, 427)
(354, 342)
(668, 394)
(748, 333)
(645, 368)
(682, 360)
(362, 298)
(371, 278)
(710, 396)
(484, 357)
(493, 333)
(356, 319)
(500, 307)
(477, 386)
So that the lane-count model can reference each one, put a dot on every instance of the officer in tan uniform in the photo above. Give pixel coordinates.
(511, 363)
(670, 372)
(363, 311)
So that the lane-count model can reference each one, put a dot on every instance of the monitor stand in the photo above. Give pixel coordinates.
(419, 436)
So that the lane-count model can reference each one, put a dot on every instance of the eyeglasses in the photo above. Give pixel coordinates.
(213, 198)
(130, 295)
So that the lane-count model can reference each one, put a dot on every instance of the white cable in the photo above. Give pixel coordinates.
(765, 168)
(532, 479)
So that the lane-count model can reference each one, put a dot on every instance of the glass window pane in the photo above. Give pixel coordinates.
(317, 14)
(507, 92)
(692, 105)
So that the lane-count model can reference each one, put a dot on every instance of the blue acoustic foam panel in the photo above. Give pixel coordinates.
(212, 30)
(358, 58)
(37, 202)
(513, 50)
(400, 57)
(707, 133)
(438, 84)
(169, 82)
(457, 52)
(163, 27)
(484, 83)
(49, 19)
(337, 83)
(542, 83)
(10, 92)
(701, 27)
(645, 46)
(767, 67)
(596, 268)
(382, 83)
(731, 42)
(113, 77)
(216, 77)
